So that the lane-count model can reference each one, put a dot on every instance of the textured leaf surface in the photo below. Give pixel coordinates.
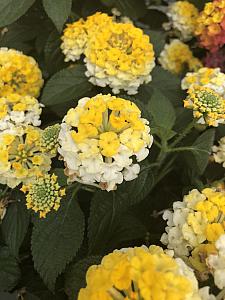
(65, 85)
(15, 225)
(75, 276)
(11, 10)
(56, 239)
(58, 11)
(9, 270)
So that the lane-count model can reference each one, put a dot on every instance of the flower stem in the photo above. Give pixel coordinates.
(183, 134)
(179, 149)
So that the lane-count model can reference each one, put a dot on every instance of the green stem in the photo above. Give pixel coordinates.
(183, 134)
(157, 144)
(150, 166)
(221, 295)
(179, 149)
(4, 191)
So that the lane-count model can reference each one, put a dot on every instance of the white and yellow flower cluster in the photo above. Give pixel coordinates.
(208, 77)
(140, 273)
(183, 18)
(116, 54)
(102, 140)
(17, 110)
(21, 157)
(208, 106)
(194, 225)
(176, 56)
(216, 263)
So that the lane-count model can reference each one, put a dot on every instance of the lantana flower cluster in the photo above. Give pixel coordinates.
(17, 110)
(194, 226)
(25, 149)
(212, 78)
(44, 194)
(19, 74)
(177, 56)
(208, 106)
(141, 273)
(103, 140)
(117, 54)
(211, 25)
(183, 18)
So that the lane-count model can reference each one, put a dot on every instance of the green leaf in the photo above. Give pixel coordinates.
(17, 37)
(58, 11)
(15, 225)
(127, 228)
(65, 85)
(75, 277)
(9, 270)
(198, 158)
(130, 8)
(56, 240)
(168, 84)
(203, 142)
(54, 58)
(158, 39)
(107, 206)
(161, 110)
(11, 10)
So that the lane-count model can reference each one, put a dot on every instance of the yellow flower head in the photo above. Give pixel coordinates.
(103, 132)
(195, 225)
(177, 56)
(44, 195)
(116, 54)
(208, 106)
(120, 56)
(19, 74)
(21, 156)
(140, 274)
(183, 18)
(76, 35)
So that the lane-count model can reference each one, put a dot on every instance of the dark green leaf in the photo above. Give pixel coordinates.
(75, 277)
(9, 270)
(58, 11)
(15, 225)
(203, 142)
(67, 84)
(11, 10)
(168, 84)
(54, 58)
(158, 39)
(17, 37)
(198, 158)
(56, 239)
(126, 228)
(161, 110)
(131, 8)
(107, 206)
